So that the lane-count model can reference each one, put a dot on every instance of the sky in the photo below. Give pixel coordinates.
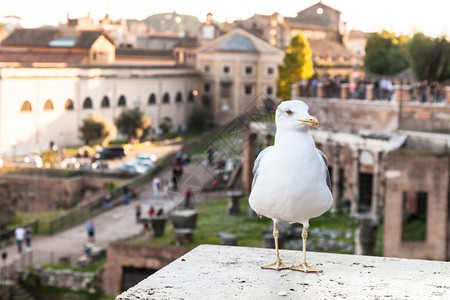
(399, 16)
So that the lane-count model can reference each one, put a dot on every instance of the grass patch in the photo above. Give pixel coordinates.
(94, 267)
(214, 218)
(27, 217)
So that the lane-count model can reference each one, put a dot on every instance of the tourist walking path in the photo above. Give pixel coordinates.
(119, 223)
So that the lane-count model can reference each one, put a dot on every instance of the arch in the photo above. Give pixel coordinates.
(87, 103)
(26, 106)
(122, 101)
(105, 102)
(166, 98)
(191, 95)
(152, 99)
(179, 98)
(69, 104)
(48, 105)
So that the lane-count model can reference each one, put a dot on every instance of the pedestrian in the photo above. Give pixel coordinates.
(107, 202)
(28, 238)
(133, 193)
(151, 211)
(187, 197)
(138, 212)
(210, 153)
(126, 195)
(20, 235)
(156, 182)
(90, 230)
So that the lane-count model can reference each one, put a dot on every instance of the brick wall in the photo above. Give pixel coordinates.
(413, 172)
(121, 255)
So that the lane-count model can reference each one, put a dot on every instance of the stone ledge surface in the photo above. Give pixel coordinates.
(224, 272)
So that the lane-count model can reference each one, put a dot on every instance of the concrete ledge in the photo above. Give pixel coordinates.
(213, 272)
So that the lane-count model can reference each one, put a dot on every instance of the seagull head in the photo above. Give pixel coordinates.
(292, 115)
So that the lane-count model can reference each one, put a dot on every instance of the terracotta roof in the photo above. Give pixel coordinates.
(26, 37)
(39, 57)
(142, 52)
(329, 48)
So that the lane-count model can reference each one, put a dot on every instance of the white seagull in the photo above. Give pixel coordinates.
(291, 181)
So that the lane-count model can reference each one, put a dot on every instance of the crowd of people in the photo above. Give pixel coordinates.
(383, 89)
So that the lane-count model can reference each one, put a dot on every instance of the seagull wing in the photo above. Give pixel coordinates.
(325, 161)
(258, 162)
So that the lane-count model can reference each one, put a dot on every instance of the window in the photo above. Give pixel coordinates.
(105, 102)
(69, 104)
(248, 89)
(166, 98)
(414, 223)
(122, 101)
(206, 69)
(26, 107)
(207, 87)
(152, 99)
(226, 70)
(248, 70)
(179, 98)
(269, 90)
(270, 71)
(48, 106)
(87, 104)
(192, 94)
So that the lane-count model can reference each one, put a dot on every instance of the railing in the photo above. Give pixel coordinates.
(9, 269)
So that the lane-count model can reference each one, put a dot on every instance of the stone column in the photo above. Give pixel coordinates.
(344, 91)
(376, 183)
(366, 233)
(320, 90)
(249, 156)
(370, 93)
(447, 94)
(336, 179)
(355, 182)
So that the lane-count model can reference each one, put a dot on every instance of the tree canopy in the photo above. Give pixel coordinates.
(386, 53)
(133, 123)
(297, 65)
(97, 130)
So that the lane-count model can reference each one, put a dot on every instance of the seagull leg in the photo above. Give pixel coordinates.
(278, 264)
(303, 266)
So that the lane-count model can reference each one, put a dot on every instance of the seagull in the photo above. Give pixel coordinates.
(291, 181)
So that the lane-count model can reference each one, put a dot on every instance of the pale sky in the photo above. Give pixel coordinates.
(400, 16)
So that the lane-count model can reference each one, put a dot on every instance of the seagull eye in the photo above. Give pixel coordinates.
(289, 112)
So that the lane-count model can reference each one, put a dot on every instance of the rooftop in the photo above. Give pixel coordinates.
(210, 271)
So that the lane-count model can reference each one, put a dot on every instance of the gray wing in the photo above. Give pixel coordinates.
(257, 163)
(325, 160)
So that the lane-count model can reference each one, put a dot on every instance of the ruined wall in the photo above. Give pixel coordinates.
(121, 255)
(415, 172)
(41, 193)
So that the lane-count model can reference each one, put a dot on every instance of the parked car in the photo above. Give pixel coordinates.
(110, 152)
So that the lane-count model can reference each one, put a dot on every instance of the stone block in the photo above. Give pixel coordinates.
(228, 239)
(184, 218)
(183, 235)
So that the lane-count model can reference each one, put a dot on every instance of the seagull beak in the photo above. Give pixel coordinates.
(311, 121)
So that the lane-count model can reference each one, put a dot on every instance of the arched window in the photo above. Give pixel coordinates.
(152, 99)
(122, 101)
(191, 96)
(179, 98)
(48, 105)
(105, 102)
(26, 107)
(87, 104)
(166, 98)
(69, 104)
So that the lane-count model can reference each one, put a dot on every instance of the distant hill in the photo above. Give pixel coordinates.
(171, 22)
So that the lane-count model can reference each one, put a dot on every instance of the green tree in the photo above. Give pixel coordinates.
(97, 130)
(133, 123)
(198, 119)
(386, 53)
(430, 58)
(166, 125)
(297, 65)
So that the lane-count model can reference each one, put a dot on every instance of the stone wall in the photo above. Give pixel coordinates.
(120, 255)
(351, 116)
(66, 279)
(41, 193)
(414, 172)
